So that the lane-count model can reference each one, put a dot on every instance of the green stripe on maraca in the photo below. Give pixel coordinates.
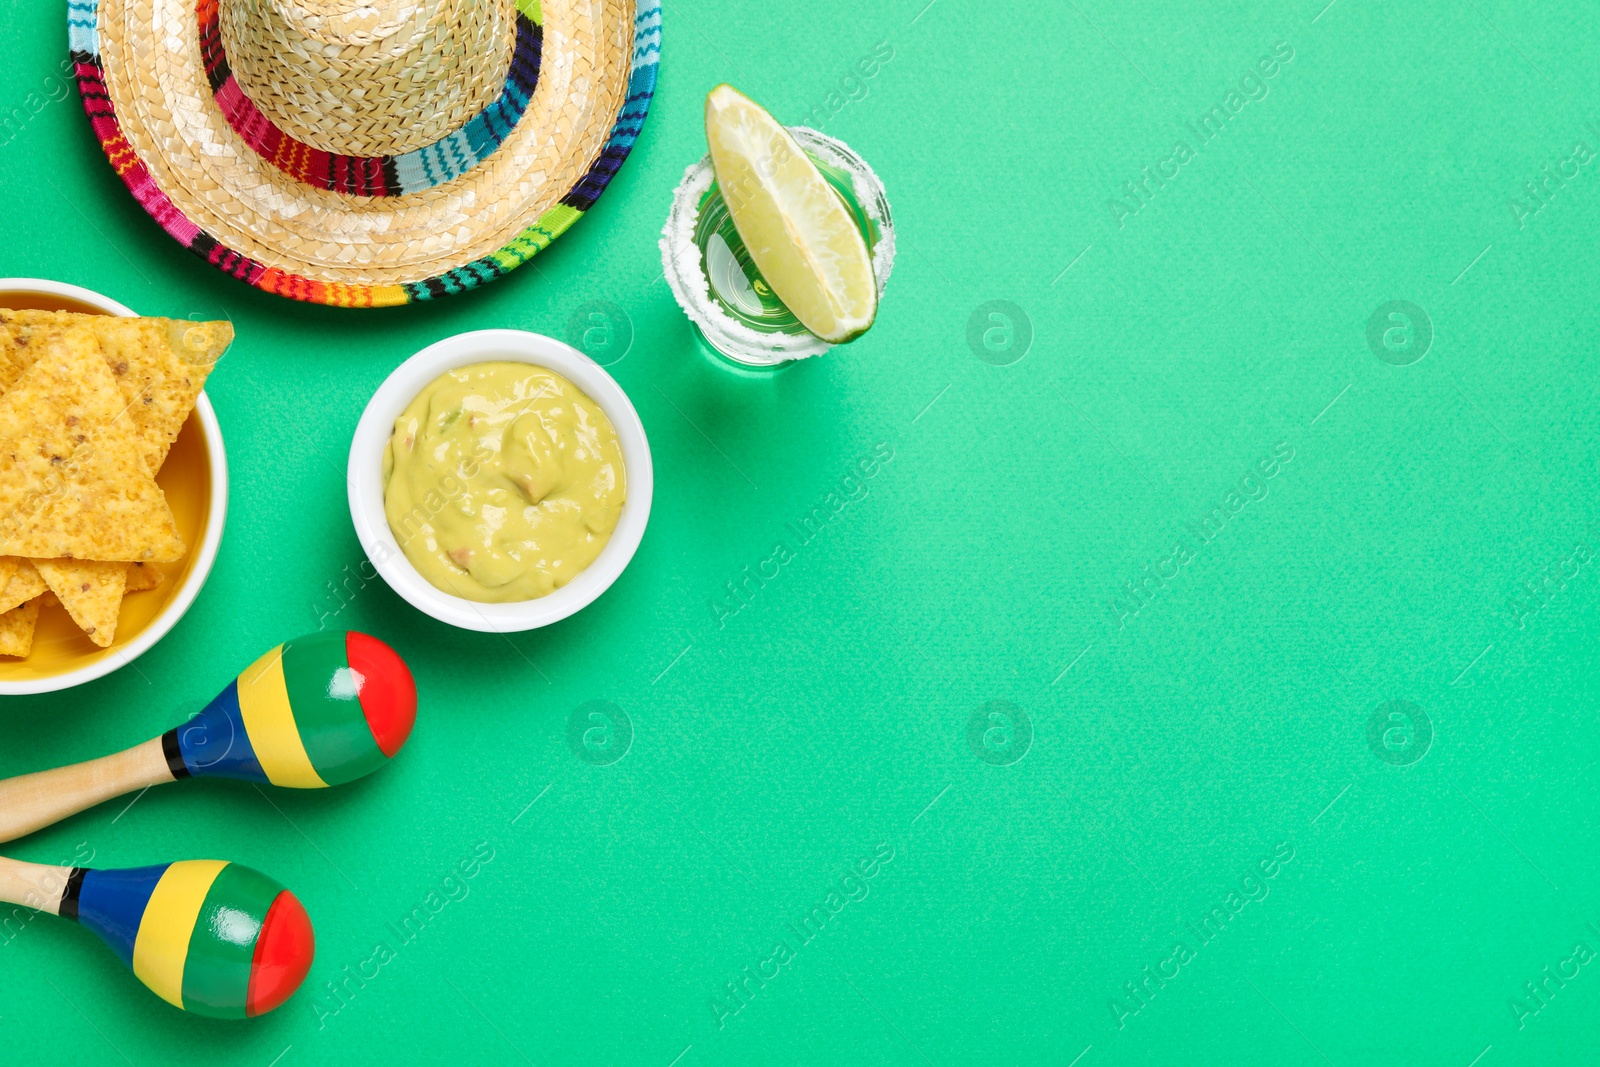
(216, 975)
(207, 936)
(325, 695)
(320, 710)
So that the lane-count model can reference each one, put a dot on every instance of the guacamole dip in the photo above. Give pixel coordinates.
(502, 481)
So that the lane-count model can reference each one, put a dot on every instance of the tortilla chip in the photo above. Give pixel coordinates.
(17, 352)
(16, 629)
(142, 576)
(90, 591)
(25, 584)
(160, 365)
(22, 337)
(8, 567)
(73, 480)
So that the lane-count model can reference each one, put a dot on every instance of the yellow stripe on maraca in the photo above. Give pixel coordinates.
(269, 721)
(162, 947)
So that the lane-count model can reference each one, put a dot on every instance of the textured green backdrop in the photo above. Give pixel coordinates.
(1193, 541)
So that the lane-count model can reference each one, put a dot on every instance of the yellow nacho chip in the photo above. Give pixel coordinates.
(25, 584)
(160, 365)
(87, 575)
(73, 479)
(17, 351)
(16, 629)
(90, 591)
(142, 576)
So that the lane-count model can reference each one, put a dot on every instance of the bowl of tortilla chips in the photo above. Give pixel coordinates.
(113, 480)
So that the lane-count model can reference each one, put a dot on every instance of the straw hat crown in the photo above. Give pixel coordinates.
(369, 77)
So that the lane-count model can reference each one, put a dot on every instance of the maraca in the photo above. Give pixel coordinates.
(320, 710)
(207, 936)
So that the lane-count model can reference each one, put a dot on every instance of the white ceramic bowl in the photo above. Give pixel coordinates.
(103, 661)
(366, 478)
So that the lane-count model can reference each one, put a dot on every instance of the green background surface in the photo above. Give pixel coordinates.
(1173, 749)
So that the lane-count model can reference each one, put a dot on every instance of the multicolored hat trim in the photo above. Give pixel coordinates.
(425, 168)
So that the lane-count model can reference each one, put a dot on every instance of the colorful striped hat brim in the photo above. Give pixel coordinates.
(366, 231)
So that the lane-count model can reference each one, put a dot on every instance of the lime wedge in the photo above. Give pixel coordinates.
(798, 232)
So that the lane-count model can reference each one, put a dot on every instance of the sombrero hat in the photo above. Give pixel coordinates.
(365, 153)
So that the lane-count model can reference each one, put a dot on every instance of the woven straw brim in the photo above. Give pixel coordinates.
(210, 190)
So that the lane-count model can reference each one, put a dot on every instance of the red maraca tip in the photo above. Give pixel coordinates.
(284, 950)
(387, 693)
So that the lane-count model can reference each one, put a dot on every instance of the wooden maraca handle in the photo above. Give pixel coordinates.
(33, 801)
(33, 885)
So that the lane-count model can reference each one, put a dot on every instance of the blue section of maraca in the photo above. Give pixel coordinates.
(214, 743)
(112, 904)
